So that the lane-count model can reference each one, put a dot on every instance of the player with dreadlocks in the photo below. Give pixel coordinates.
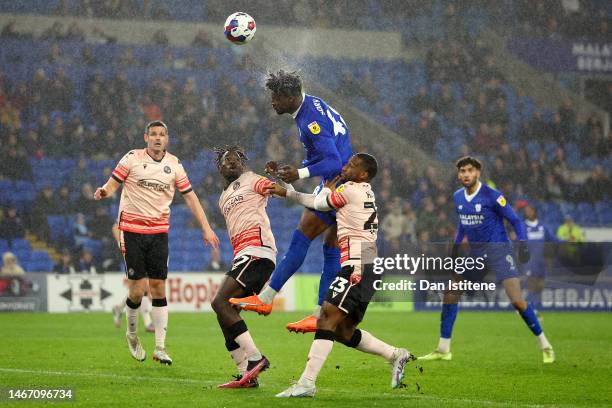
(243, 204)
(325, 137)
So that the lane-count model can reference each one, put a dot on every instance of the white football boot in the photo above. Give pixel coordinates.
(298, 390)
(161, 356)
(136, 347)
(401, 357)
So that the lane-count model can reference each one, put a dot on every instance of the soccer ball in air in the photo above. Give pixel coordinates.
(240, 28)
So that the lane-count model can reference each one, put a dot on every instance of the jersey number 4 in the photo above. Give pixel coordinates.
(370, 224)
(339, 126)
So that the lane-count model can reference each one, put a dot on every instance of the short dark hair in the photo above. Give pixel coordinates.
(465, 160)
(284, 83)
(154, 124)
(369, 164)
(222, 151)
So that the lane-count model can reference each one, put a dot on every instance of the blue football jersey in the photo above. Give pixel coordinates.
(481, 216)
(537, 235)
(325, 137)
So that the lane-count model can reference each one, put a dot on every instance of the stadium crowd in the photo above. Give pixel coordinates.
(38, 120)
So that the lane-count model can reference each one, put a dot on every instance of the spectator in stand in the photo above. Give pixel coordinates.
(54, 32)
(15, 165)
(395, 224)
(598, 186)
(66, 203)
(202, 39)
(44, 205)
(12, 225)
(160, 38)
(10, 31)
(65, 264)
(569, 231)
(9, 116)
(421, 101)
(75, 32)
(85, 203)
(87, 263)
(10, 266)
(80, 230)
(552, 188)
(427, 218)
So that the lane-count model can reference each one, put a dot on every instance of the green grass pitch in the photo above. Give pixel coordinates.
(496, 362)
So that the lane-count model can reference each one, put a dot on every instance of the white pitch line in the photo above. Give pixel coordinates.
(105, 375)
(204, 382)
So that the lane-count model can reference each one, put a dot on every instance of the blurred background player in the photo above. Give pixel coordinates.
(243, 204)
(347, 298)
(481, 211)
(145, 305)
(326, 138)
(535, 270)
(150, 177)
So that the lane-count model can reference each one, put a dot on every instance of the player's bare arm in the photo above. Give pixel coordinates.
(276, 190)
(107, 190)
(209, 236)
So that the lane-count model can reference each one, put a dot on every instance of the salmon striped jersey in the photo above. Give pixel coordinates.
(357, 221)
(148, 190)
(243, 204)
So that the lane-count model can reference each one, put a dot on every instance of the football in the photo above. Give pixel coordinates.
(240, 28)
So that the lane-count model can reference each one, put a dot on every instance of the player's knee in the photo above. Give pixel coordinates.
(136, 294)
(157, 288)
(219, 304)
(520, 305)
(343, 334)
(331, 238)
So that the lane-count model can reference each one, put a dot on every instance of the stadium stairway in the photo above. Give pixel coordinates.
(40, 245)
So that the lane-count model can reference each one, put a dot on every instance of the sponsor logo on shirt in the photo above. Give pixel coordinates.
(231, 203)
(471, 219)
(154, 185)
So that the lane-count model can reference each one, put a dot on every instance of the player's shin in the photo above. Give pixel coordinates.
(292, 260)
(145, 309)
(131, 314)
(242, 337)
(319, 350)
(159, 313)
(331, 267)
(369, 344)
(238, 355)
(447, 321)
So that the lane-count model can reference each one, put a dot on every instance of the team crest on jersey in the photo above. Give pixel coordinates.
(314, 128)
(236, 185)
(478, 207)
(501, 201)
(167, 170)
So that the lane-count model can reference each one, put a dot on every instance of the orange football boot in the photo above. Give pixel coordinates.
(306, 325)
(253, 304)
